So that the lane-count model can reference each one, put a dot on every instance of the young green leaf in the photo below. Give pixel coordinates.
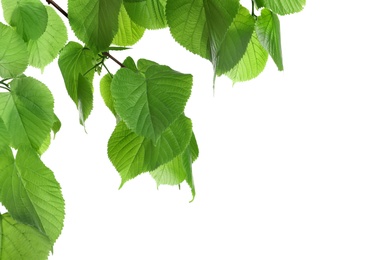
(76, 63)
(45, 49)
(149, 103)
(252, 63)
(20, 241)
(149, 14)
(30, 192)
(105, 91)
(132, 154)
(13, 53)
(95, 22)
(28, 16)
(56, 125)
(27, 111)
(178, 170)
(282, 7)
(268, 32)
(128, 32)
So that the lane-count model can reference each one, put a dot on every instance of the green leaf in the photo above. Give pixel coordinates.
(56, 125)
(76, 63)
(149, 14)
(13, 53)
(268, 32)
(235, 41)
(214, 29)
(105, 91)
(130, 64)
(177, 170)
(45, 145)
(30, 192)
(148, 103)
(20, 241)
(45, 49)
(252, 63)
(5, 140)
(28, 16)
(132, 154)
(95, 22)
(115, 48)
(27, 112)
(282, 7)
(129, 32)
(144, 64)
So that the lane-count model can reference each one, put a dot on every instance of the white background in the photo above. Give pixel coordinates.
(293, 164)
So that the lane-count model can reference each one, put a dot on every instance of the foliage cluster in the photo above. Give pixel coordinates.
(147, 99)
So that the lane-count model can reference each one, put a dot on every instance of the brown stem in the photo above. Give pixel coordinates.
(62, 11)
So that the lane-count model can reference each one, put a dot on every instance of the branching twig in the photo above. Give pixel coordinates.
(62, 11)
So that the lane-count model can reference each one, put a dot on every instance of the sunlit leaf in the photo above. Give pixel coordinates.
(128, 32)
(45, 49)
(282, 7)
(20, 241)
(27, 111)
(30, 192)
(132, 154)
(149, 14)
(13, 53)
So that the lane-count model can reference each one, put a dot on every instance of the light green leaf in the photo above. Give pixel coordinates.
(130, 64)
(282, 7)
(30, 192)
(129, 32)
(21, 242)
(56, 125)
(46, 48)
(28, 16)
(149, 14)
(252, 63)
(95, 22)
(27, 112)
(177, 170)
(75, 63)
(132, 154)
(268, 32)
(235, 41)
(13, 53)
(4, 136)
(105, 91)
(45, 145)
(148, 103)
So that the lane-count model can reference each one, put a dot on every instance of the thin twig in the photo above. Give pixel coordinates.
(62, 11)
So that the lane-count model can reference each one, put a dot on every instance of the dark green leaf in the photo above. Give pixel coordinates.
(13, 53)
(132, 154)
(268, 32)
(30, 192)
(148, 103)
(149, 14)
(27, 112)
(21, 242)
(95, 22)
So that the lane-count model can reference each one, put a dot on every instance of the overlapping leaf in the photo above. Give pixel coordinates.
(132, 154)
(149, 14)
(95, 22)
(75, 63)
(20, 241)
(4, 136)
(252, 63)
(13, 53)
(268, 32)
(30, 192)
(282, 7)
(149, 102)
(128, 31)
(105, 91)
(27, 111)
(28, 16)
(45, 49)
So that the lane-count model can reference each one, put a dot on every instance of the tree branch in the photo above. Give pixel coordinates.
(64, 13)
